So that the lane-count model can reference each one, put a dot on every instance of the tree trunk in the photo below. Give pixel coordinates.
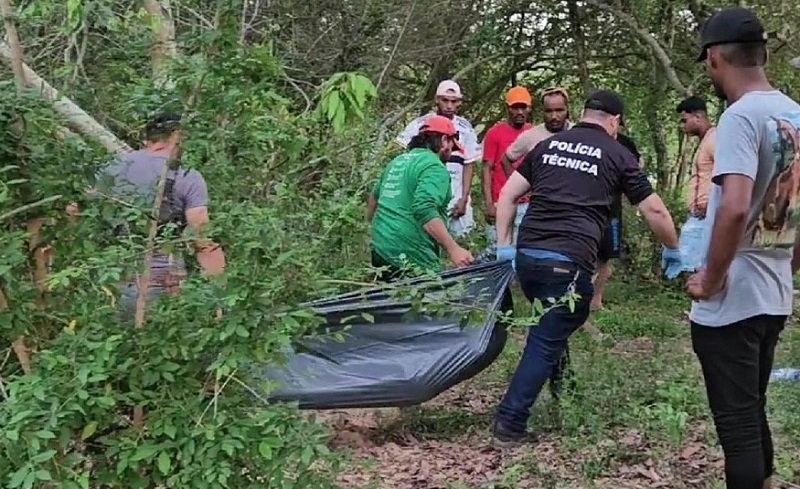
(164, 47)
(578, 38)
(14, 45)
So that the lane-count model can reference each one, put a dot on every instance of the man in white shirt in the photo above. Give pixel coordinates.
(461, 163)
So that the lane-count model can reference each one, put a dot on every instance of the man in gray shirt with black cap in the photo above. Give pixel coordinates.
(743, 295)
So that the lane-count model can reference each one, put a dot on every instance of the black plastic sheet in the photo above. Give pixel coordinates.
(389, 357)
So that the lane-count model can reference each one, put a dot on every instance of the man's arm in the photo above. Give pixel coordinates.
(735, 169)
(796, 256)
(209, 254)
(517, 185)
(519, 148)
(466, 180)
(372, 198)
(706, 152)
(472, 154)
(729, 225)
(372, 206)
(430, 196)
(639, 191)
(659, 219)
(508, 165)
(490, 148)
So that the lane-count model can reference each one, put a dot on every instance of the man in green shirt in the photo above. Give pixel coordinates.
(407, 208)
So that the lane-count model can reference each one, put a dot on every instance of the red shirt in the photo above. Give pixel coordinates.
(498, 138)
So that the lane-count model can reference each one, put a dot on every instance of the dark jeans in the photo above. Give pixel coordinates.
(736, 362)
(543, 279)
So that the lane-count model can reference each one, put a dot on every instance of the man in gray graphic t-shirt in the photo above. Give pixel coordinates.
(743, 295)
(134, 179)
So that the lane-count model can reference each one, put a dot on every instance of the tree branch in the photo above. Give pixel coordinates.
(651, 41)
(396, 44)
(14, 44)
(79, 120)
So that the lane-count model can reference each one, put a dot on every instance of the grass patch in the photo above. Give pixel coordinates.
(638, 416)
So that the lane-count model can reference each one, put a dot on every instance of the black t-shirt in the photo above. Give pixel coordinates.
(575, 176)
(616, 204)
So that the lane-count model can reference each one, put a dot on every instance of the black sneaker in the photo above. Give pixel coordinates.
(505, 438)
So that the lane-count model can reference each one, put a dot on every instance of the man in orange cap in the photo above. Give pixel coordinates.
(495, 144)
(408, 207)
(555, 105)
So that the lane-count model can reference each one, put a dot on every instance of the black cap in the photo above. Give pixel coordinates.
(731, 25)
(607, 101)
(692, 104)
(165, 122)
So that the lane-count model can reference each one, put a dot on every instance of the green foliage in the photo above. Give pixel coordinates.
(197, 379)
(345, 99)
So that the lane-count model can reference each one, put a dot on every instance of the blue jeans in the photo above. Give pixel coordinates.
(543, 279)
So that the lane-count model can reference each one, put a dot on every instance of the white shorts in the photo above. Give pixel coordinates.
(463, 225)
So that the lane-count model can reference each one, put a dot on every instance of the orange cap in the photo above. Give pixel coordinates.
(518, 95)
(441, 125)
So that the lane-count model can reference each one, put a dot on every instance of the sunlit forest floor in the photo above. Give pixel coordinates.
(637, 418)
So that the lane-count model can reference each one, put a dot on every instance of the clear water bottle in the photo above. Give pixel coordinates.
(785, 375)
(693, 243)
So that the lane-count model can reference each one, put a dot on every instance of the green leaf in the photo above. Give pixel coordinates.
(43, 475)
(164, 463)
(170, 431)
(18, 478)
(43, 457)
(339, 121)
(45, 434)
(74, 14)
(308, 453)
(265, 449)
(143, 452)
(333, 105)
(89, 430)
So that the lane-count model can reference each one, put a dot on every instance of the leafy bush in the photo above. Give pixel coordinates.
(196, 377)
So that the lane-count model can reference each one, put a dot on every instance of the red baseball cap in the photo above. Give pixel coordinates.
(442, 125)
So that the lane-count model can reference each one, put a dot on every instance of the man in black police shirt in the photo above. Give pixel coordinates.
(573, 176)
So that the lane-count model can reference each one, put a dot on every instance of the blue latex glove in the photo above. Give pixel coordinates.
(506, 253)
(671, 262)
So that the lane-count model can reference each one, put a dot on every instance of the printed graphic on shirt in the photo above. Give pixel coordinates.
(779, 219)
(585, 157)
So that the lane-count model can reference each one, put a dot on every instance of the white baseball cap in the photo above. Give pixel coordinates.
(449, 88)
